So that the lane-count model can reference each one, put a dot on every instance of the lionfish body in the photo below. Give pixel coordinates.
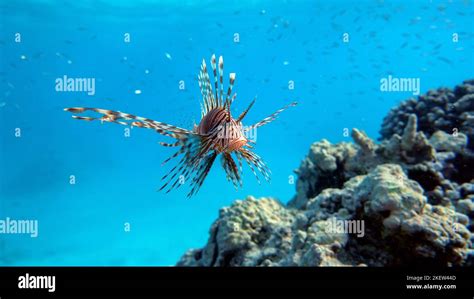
(218, 133)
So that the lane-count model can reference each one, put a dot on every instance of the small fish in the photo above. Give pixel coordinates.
(168, 56)
(415, 20)
(37, 55)
(218, 133)
(444, 59)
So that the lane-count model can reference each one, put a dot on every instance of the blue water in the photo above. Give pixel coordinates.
(336, 84)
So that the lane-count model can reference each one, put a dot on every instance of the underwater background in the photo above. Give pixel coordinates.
(266, 43)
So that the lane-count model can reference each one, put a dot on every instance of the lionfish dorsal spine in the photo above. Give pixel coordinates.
(229, 90)
(244, 113)
(206, 89)
(203, 92)
(232, 100)
(221, 79)
(202, 87)
(209, 89)
(214, 71)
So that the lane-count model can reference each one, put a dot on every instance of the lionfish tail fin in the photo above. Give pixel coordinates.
(273, 116)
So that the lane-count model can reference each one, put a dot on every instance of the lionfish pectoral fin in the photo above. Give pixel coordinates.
(231, 170)
(252, 160)
(201, 172)
(195, 157)
(271, 117)
(127, 119)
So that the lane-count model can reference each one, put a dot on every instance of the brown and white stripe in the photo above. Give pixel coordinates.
(218, 133)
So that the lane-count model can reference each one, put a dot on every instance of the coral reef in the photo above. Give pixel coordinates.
(438, 110)
(406, 200)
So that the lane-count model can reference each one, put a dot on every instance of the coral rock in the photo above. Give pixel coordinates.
(445, 142)
(442, 109)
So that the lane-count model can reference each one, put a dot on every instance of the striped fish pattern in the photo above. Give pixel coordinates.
(218, 133)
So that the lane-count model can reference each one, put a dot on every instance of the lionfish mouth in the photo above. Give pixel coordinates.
(218, 133)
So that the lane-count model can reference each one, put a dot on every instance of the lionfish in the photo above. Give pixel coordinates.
(218, 133)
